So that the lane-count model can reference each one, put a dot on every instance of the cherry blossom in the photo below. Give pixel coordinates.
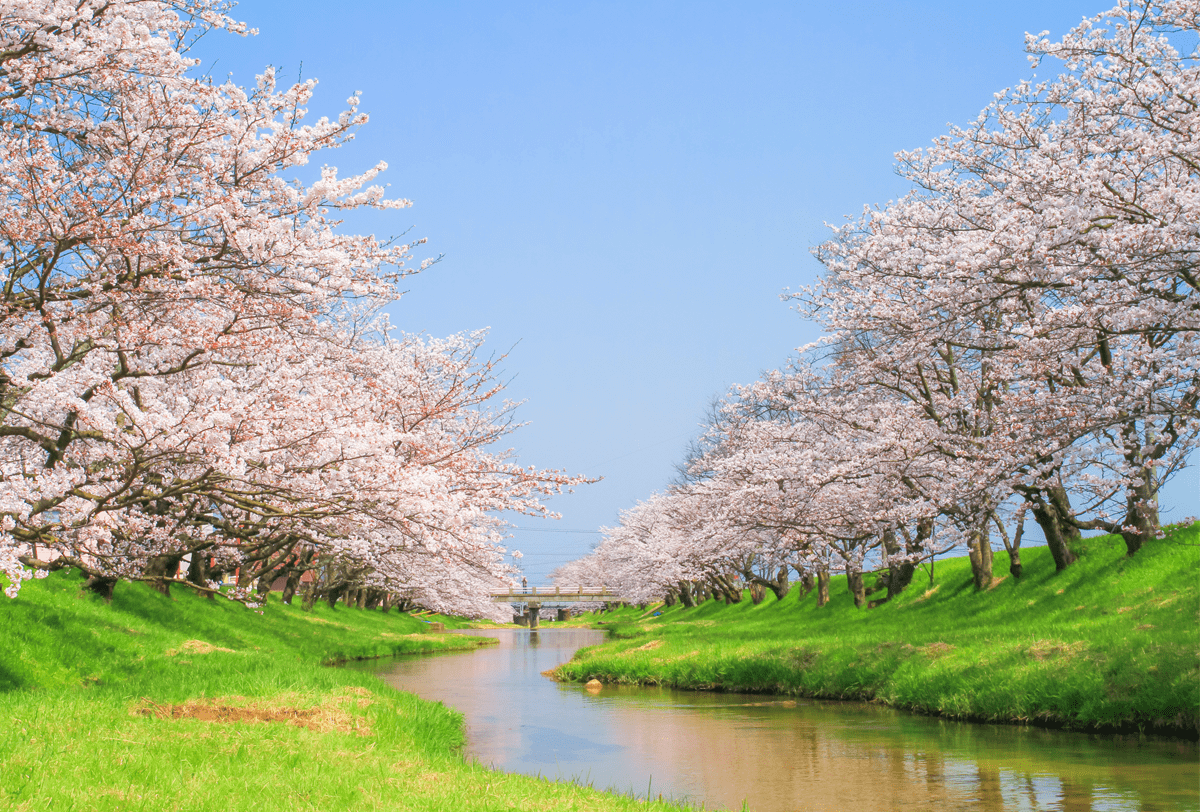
(194, 362)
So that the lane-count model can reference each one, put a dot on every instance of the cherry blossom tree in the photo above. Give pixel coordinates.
(644, 558)
(194, 364)
(834, 476)
(1019, 335)
(1044, 271)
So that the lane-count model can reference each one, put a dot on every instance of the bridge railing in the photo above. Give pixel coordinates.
(557, 590)
(601, 592)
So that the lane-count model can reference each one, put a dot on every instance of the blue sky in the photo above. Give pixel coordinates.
(621, 191)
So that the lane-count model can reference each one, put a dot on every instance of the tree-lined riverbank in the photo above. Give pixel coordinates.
(777, 754)
(1109, 644)
(154, 702)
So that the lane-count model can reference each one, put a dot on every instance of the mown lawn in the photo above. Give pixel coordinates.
(184, 703)
(1110, 643)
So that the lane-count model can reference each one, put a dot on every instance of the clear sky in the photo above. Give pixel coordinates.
(622, 190)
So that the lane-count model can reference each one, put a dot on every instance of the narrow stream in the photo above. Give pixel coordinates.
(777, 755)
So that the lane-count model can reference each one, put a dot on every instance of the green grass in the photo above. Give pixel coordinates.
(158, 703)
(1110, 643)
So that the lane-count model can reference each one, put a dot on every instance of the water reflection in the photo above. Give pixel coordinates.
(775, 754)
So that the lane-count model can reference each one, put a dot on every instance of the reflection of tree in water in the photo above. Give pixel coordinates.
(1076, 796)
(991, 797)
(780, 754)
(832, 756)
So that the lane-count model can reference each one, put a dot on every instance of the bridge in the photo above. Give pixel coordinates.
(533, 598)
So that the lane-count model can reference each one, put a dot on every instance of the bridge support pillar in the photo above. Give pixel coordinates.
(533, 612)
(520, 620)
(562, 615)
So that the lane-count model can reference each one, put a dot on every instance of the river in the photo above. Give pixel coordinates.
(773, 754)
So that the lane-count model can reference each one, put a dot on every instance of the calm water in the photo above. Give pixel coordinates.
(776, 755)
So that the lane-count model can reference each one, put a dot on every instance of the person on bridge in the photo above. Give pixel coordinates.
(524, 583)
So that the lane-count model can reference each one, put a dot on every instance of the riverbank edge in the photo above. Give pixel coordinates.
(340, 660)
(189, 703)
(1132, 727)
(880, 670)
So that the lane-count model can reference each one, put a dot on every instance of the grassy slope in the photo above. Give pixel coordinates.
(77, 677)
(1112, 642)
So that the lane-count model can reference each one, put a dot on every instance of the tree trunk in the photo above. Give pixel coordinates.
(295, 571)
(161, 569)
(979, 549)
(717, 592)
(901, 575)
(263, 587)
(685, 595)
(198, 569)
(901, 568)
(891, 550)
(199, 572)
(1013, 546)
(101, 586)
(245, 574)
(291, 585)
(822, 587)
(758, 593)
(779, 584)
(361, 598)
(1141, 513)
(1052, 511)
(806, 582)
(731, 592)
(373, 598)
(854, 580)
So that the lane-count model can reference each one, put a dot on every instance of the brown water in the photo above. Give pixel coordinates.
(721, 750)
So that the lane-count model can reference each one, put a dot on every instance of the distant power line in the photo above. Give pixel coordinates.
(551, 530)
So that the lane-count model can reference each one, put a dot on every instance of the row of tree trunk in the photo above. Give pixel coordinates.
(331, 583)
(1049, 506)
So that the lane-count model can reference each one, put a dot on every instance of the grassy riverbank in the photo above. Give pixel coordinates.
(1110, 643)
(157, 703)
